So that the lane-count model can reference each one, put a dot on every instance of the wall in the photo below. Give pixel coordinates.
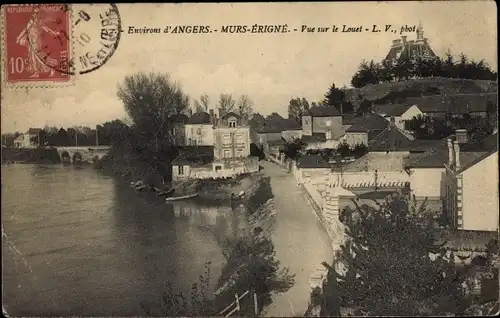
(264, 138)
(329, 144)
(229, 141)
(184, 175)
(289, 135)
(229, 169)
(202, 134)
(356, 138)
(427, 182)
(362, 179)
(179, 133)
(307, 125)
(480, 195)
(320, 124)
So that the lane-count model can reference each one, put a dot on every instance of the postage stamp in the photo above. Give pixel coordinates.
(49, 44)
(36, 42)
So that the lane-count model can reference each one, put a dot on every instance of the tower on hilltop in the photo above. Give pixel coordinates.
(411, 49)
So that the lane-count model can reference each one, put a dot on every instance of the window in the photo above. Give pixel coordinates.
(226, 139)
(239, 153)
(198, 131)
(180, 170)
(190, 141)
(227, 153)
(232, 122)
(173, 131)
(393, 120)
(239, 140)
(306, 122)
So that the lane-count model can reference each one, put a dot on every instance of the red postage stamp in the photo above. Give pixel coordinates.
(36, 43)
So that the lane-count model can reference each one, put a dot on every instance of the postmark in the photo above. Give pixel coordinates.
(96, 35)
(35, 41)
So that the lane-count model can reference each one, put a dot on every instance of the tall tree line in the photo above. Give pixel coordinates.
(404, 69)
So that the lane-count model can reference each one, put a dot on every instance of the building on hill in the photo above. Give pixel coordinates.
(410, 49)
(400, 114)
(481, 105)
(322, 127)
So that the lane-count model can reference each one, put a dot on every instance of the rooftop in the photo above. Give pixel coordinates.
(180, 118)
(312, 161)
(368, 123)
(315, 137)
(323, 111)
(277, 125)
(199, 118)
(457, 104)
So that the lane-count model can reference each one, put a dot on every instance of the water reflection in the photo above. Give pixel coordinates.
(98, 248)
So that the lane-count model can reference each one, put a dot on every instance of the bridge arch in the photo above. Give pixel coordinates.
(65, 157)
(77, 157)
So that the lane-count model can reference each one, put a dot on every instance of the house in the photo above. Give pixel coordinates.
(199, 129)
(322, 127)
(291, 129)
(274, 148)
(401, 114)
(179, 128)
(227, 156)
(364, 129)
(34, 137)
(19, 141)
(310, 167)
(390, 149)
(471, 183)
(231, 137)
(482, 105)
(277, 128)
(402, 48)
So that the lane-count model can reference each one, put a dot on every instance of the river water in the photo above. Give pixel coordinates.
(77, 242)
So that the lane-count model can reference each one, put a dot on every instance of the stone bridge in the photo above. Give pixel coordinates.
(82, 153)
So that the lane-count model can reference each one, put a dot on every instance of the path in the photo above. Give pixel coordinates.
(299, 238)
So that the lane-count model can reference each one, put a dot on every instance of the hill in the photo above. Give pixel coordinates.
(392, 92)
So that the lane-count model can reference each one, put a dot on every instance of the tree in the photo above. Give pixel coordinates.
(226, 104)
(198, 108)
(245, 106)
(150, 100)
(365, 107)
(297, 108)
(391, 262)
(336, 97)
(343, 149)
(257, 121)
(204, 100)
(294, 148)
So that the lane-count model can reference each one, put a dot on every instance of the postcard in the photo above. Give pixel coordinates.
(250, 159)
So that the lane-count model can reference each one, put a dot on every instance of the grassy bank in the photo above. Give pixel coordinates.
(30, 155)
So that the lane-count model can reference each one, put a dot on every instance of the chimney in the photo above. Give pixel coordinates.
(461, 136)
(457, 155)
(394, 43)
(403, 38)
(221, 112)
(328, 135)
(451, 155)
(212, 116)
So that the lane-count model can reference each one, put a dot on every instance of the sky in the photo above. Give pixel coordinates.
(269, 68)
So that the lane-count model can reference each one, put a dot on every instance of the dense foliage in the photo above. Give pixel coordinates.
(379, 273)
(385, 72)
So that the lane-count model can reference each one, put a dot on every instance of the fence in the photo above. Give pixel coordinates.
(226, 312)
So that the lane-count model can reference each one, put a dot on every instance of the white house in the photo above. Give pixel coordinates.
(400, 115)
(33, 138)
(199, 130)
(471, 184)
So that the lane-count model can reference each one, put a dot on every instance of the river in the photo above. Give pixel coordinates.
(78, 242)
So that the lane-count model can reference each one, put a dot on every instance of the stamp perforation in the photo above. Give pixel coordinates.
(42, 84)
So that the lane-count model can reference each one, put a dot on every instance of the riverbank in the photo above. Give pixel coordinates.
(30, 155)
